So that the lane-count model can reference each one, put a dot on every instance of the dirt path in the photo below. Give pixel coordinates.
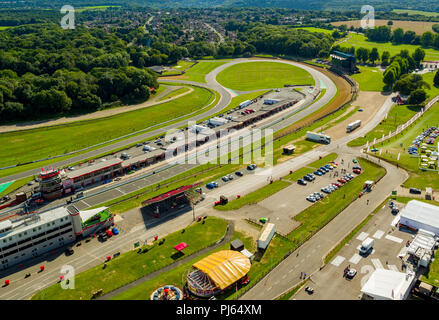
(370, 102)
(97, 114)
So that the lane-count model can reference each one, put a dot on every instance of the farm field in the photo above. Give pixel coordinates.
(359, 40)
(132, 265)
(369, 79)
(95, 8)
(417, 26)
(23, 146)
(416, 12)
(399, 144)
(260, 75)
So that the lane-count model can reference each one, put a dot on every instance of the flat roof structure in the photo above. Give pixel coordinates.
(421, 215)
(169, 194)
(93, 168)
(388, 285)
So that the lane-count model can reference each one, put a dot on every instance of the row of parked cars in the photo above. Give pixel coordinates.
(228, 177)
(431, 133)
(319, 172)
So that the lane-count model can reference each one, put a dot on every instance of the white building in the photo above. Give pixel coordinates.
(420, 215)
(217, 121)
(28, 236)
(388, 285)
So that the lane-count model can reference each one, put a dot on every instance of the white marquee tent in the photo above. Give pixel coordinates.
(421, 215)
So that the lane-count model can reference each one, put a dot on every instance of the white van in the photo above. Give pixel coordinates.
(366, 246)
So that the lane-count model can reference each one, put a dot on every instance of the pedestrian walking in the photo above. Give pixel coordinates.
(301, 275)
(304, 275)
(367, 202)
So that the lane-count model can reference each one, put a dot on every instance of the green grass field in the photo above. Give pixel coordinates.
(399, 144)
(262, 75)
(415, 12)
(359, 40)
(369, 79)
(174, 93)
(397, 115)
(255, 196)
(23, 146)
(132, 265)
(317, 30)
(198, 71)
(432, 275)
(95, 8)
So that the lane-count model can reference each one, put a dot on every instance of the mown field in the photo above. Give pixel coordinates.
(417, 26)
(369, 79)
(132, 265)
(262, 75)
(317, 30)
(416, 12)
(23, 146)
(359, 40)
(198, 71)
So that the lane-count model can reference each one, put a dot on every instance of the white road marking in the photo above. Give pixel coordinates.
(362, 236)
(355, 258)
(392, 238)
(378, 234)
(377, 263)
(393, 267)
(121, 191)
(284, 276)
(337, 261)
(269, 288)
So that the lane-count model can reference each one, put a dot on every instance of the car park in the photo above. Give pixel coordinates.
(301, 182)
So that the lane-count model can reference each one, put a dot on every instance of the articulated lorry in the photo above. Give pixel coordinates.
(353, 125)
(318, 137)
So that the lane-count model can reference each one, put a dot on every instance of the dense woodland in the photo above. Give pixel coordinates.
(48, 70)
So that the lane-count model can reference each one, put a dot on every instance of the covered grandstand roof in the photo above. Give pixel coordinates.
(169, 194)
(93, 168)
(224, 267)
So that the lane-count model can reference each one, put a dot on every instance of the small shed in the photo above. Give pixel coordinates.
(236, 245)
(289, 149)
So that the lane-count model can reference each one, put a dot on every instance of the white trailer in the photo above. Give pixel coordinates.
(245, 104)
(271, 101)
(266, 236)
(318, 137)
(216, 121)
(353, 125)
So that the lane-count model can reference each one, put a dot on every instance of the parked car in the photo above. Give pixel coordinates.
(69, 251)
(311, 198)
(395, 210)
(251, 167)
(301, 182)
(351, 273)
(230, 176)
(341, 180)
(415, 191)
(318, 173)
(239, 173)
(225, 178)
(357, 171)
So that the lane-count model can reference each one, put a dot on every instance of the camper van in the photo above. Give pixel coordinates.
(366, 246)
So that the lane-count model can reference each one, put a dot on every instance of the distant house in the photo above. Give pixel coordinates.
(344, 61)
(430, 64)
(157, 69)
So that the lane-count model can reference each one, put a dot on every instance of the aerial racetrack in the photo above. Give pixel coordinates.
(248, 76)
(29, 145)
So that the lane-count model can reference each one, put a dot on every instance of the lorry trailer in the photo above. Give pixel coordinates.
(353, 125)
(318, 137)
